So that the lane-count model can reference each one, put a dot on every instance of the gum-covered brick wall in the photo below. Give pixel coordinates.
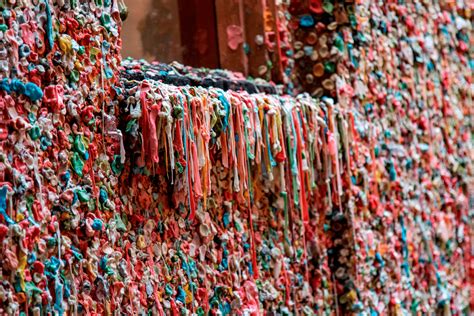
(58, 136)
(407, 71)
(120, 194)
(403, 71)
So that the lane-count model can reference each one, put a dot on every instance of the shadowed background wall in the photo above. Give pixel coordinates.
(172, 30)
(152, 30)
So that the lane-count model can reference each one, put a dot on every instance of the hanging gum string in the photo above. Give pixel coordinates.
(189, 161)
(303, 205)
(250, 204)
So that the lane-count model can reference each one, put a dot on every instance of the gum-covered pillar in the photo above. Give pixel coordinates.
(320, 42)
